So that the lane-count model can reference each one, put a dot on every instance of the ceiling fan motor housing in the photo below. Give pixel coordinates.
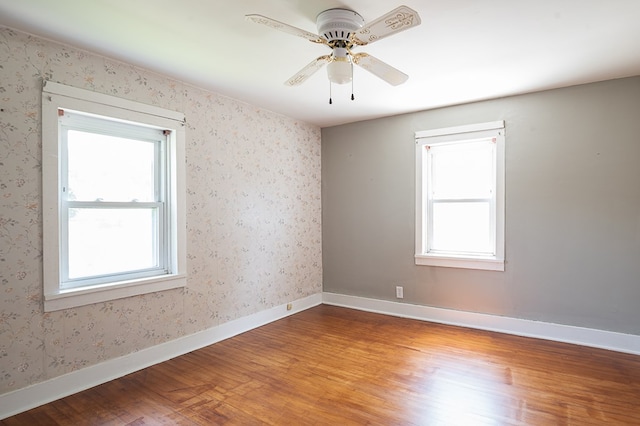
(338, 24)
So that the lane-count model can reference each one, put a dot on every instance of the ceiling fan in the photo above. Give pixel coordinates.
(341, 30)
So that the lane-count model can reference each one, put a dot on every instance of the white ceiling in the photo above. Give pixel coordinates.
(464, 50)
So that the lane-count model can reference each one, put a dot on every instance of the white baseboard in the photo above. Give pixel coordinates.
(627, 343)
(41, 393)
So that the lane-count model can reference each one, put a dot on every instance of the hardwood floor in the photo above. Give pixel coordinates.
(336, 366)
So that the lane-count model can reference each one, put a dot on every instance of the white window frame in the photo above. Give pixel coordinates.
(57, 97)
(451, 135)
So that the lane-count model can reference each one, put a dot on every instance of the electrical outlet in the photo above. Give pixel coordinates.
(399, 292)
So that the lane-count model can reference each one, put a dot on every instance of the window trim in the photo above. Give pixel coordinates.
(58, 96)
(451, 135)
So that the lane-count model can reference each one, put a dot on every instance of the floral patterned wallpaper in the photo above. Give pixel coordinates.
(254, 216)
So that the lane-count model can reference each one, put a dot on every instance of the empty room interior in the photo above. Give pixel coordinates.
(319, 212)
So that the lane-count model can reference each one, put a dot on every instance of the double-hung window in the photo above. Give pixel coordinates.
(113, 198)
(460, 197)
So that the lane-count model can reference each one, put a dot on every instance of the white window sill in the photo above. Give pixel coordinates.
(71, 298)
(487, 264)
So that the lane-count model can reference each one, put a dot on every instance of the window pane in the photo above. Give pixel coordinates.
(462, 227)
(107, 241)
(462, 171)
(110, 168)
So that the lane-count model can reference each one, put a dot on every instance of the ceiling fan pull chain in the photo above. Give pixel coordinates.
(330, 100)
(352, 97)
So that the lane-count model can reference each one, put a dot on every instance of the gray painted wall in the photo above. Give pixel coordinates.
(572, 209)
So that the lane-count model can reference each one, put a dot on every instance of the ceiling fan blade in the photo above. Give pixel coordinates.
(399, 19)
(306, 72)
(380, 69)
(259, 19)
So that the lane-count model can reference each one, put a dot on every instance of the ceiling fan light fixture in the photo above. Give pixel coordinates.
(340, 69)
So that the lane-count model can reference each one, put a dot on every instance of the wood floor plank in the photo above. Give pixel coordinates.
(330, 366)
